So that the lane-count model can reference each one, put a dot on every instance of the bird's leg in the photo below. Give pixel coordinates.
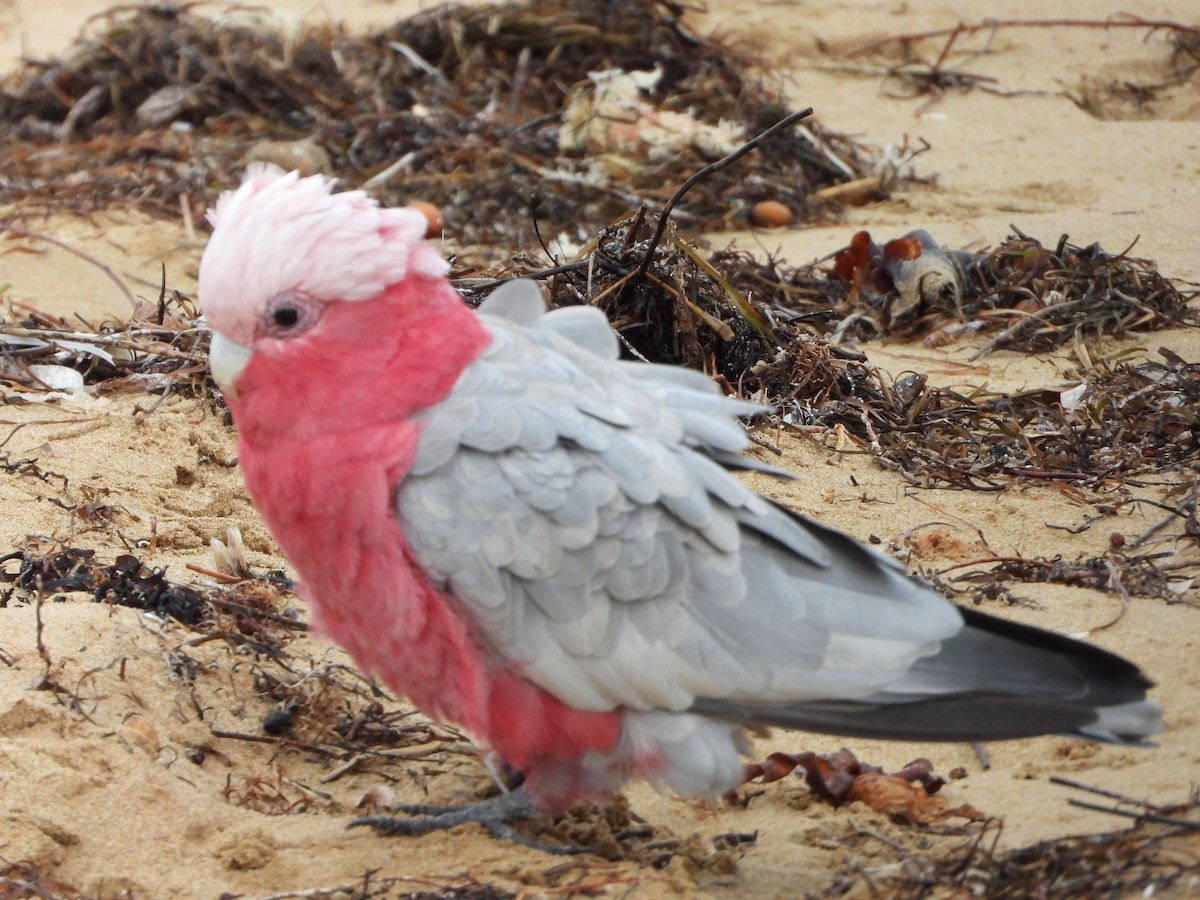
(495, 814)
(504, 775)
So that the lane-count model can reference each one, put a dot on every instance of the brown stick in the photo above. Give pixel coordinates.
(34, 236)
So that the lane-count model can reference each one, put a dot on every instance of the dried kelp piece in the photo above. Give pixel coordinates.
(128, 582)
(69, 570)
(124, 582)
(831, 776)
(904, 801)
(840, 777)
(460, 106)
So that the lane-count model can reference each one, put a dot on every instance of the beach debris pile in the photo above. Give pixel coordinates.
(517, 121)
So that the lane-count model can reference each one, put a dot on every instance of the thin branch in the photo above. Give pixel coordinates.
(1140, 816)
(35, 236)
(699, 176)
(120, 340)
(1103, 792)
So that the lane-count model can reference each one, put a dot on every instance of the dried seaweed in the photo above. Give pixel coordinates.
(678, 312)
(159, 349)
(908, 796)
(755, 323)
(1070, 293)
(1039, 298)
(1134, 419)
(457, 106)
(124, 582)
(1161, 575)
(1144, 860)
(917, 75)
(71, 569)
(128, 582)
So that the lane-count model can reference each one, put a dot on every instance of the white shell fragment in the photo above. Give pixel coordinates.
(58, 378)
(1070, 399)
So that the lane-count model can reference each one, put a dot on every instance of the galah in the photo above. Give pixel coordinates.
(525, 535)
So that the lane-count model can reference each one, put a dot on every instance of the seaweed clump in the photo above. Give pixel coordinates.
(1035, 297)
(1149, 858)
(485, 111)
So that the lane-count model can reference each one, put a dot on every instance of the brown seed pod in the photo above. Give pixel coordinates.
(433, 216)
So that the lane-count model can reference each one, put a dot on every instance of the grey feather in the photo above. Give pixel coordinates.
(587, 328)
(518, 301)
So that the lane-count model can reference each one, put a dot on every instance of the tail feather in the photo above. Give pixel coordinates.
(994, 680)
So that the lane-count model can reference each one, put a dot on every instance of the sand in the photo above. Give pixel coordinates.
(126, 792)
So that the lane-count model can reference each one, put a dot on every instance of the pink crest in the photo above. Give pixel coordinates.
(279, 232)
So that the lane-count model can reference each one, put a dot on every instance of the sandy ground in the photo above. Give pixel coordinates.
(104, 798)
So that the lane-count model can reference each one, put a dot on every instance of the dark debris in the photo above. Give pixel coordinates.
(128, 582)
(1146, 860)
(1160, 574)
(1046, 298)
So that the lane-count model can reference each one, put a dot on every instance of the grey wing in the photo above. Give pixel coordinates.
(581, 510)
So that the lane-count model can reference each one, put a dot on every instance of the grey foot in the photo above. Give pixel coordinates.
(494, 814)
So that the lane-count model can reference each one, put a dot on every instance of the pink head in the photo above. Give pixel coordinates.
(306, 287)
(280, 240)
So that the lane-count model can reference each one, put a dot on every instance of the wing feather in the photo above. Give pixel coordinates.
(581, 510)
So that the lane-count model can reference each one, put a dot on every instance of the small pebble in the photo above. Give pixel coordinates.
(306, 155)
(771, 214)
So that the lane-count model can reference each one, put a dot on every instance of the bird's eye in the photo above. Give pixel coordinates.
(289, 314)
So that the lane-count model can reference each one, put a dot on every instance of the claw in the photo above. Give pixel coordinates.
(494, 814)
